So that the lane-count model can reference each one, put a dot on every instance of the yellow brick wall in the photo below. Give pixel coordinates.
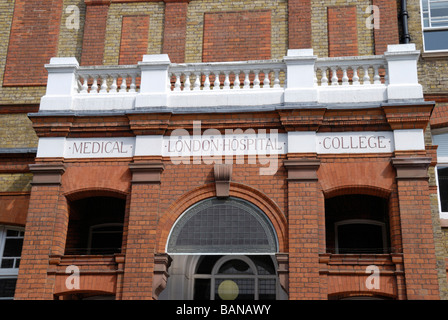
(16, 131)
(12, 95)
(15, 182)
(70, 40)
(433, 73)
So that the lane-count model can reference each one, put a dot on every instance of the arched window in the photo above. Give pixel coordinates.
(235, 278)
(357, 224)
(231, 226)
(95, 226)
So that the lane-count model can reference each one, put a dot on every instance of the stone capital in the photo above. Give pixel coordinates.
(302, 169)
(411, 168)
(47, 174)
(146, 172)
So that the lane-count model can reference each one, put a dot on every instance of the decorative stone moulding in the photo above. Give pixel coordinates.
(223, 174)
(162, 262)
(283, 270)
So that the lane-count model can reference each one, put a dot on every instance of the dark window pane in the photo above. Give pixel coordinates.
(264, 265)
(436, 40)
(13, 247)
(202, 289)
(12, 233)
(7, 263)
(106, 243)
(207, 263)
(360, 238)
(442, 174)
(235, 267)
(7, 288)
(266, 289)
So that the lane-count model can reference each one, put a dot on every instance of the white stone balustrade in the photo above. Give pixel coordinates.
(300, 78)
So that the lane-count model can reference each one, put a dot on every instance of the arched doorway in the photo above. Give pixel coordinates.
(223, 249)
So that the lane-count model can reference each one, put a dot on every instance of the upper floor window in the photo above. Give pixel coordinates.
(11, 241)
(441, 172)
(95, 226)
(435, 25)
(357, 224)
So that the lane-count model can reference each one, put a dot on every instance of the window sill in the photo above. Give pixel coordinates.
(444, 223)
(434, 55)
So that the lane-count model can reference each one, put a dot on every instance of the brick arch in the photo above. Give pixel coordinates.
(74, 195)
(351, 294)
(237, 190)
(357, 189)
(352, 176)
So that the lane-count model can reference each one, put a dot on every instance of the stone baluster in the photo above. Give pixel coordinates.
(226, 81)
(236, 82)
(355, 76)
(207, 81)
(366, 78)
(217, 83)
(246, 79)
(277, 78)
(197, 81)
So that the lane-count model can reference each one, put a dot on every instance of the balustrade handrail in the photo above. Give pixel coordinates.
(298, 77)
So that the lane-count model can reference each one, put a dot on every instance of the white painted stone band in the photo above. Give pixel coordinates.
(239, 144)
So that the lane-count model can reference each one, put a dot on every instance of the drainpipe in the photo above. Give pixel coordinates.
(404, 20)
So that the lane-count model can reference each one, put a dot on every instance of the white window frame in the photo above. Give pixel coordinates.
(441, 162)
(3, 231)
(7, 273)
(430, 28)
(359, 221)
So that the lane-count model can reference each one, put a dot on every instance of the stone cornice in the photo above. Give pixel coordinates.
(415, 116)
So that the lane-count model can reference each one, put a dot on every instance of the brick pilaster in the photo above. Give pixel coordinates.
(141, 241)
(387, 33)
(33, 41)
(174, 35)
(303, 216)
(299, 24)
(94, 32)
(417, 231)
(342, 31)
(39, 243)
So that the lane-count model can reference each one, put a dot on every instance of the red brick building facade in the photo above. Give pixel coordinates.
(188, 149)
